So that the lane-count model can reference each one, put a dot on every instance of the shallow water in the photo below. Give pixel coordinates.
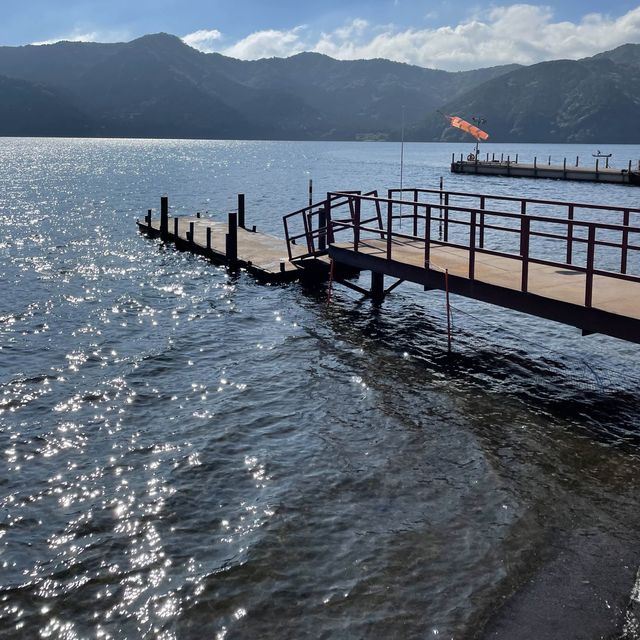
(189, 453)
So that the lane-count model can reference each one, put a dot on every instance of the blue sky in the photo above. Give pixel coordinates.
(440, 34)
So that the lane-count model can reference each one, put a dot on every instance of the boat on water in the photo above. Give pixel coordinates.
(599, 154)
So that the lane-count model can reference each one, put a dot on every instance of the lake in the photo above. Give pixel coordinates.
(188, 453)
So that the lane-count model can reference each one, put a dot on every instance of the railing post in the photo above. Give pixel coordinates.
(446, 217)
(310, 191)
(415, 212)
(570, 236)
(389, 227)
(232, 240)
(322, 229)
(482, 201)
(472, 246)
(164, 218)
(625, 242)
(356, 221)
(427, 237)
(523, 213)
(591, 248)
(241, 220)
(524, 245)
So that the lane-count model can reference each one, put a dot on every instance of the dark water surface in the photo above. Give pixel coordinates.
(190, 454)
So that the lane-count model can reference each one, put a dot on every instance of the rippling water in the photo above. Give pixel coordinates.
(191, 454)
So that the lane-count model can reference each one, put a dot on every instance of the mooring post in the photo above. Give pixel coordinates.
(192, 233)
(502, 157)
(148, 220)
(175, 228)
(197, 214)
(377, 286)
(597, 174)
(241, 210)
(549, 161)
(232, 240)
(564, 169)
(164, 217)
(208, 238)
(535, 167)
(577, 160)
(493, 157)
(516, 158)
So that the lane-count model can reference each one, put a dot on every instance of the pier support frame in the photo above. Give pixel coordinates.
(377, 286)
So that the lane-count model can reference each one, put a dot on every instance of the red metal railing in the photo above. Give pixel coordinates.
(478, 220)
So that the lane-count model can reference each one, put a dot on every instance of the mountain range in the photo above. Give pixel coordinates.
(157, 86)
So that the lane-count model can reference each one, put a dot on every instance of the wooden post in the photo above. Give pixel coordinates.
(232, 240)
(310, 191)
(241, 210)
(453, 158)
(577, 160)
(502, 157)
(493, 157)
(356, 222)
(175, 227)
(197, 214)
(597, 174)
(564, 169)
(516, 158)
(487, 156)
(208, 238)
(192, 233)
(389, 227)
(415, 212)
(148, 220)
(535, 167)
(549, 161)
(164, 218)
(377, 286)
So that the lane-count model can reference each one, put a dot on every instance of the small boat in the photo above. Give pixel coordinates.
(601, 155)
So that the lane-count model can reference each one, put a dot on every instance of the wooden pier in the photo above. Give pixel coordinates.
(570, 262)
(263, 255)
(598, 171)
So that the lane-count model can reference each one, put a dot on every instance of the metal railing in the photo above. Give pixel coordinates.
(467, 228)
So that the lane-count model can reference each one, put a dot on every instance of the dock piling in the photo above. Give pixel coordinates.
(232, 240)
(192, 233)
(208, 238)
(148, 218)
(241, 221)
(175, 227)
(164, 218)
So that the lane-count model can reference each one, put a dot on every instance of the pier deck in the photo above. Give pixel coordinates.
(262, 254)
(509, 169)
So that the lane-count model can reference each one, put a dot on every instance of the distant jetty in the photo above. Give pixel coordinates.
(598, 171)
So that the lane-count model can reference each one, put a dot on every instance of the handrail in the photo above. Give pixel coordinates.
(476, 221)
(566, 203)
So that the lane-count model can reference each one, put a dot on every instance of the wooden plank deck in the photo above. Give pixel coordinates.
(553, 293)
(556, 172)
(262, 254)
(613, 295)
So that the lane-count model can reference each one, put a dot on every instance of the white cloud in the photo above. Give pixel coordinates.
(204, 39)
(521, 33)
(268, 44)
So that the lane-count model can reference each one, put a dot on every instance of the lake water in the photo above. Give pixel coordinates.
(191, 454)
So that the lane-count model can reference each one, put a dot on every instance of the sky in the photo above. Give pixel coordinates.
(446, 35)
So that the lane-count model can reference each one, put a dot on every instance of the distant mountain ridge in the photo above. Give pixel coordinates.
(157, 86)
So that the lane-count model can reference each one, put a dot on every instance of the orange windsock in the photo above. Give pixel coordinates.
(459, 123)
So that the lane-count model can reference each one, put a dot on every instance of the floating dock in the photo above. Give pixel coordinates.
(546, 258)
(599, 171)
